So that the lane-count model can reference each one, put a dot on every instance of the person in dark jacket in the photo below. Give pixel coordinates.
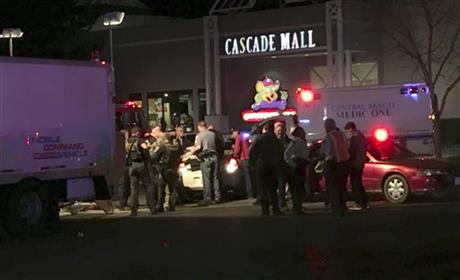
(357, 150)
(124, 188)
(296, 155)
(283, 178)
(266, 158)
(181, 140)
(137, 157)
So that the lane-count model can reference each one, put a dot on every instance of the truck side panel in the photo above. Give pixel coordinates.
(54, 116)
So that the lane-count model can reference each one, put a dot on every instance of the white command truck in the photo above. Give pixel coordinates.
(57, 135)
(401, 110)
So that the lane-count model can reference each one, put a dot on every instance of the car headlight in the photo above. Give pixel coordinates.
(232, 166)
(183, 168)
(434, 172)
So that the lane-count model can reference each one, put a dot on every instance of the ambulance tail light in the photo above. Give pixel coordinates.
(307, 95)
(232, 166)
(381, 134)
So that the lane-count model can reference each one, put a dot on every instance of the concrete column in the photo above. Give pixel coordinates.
(348, 69)
(145, 108)
(217, 84)
(330, 50)
(207, 25)
(195, 106)
(340, 53)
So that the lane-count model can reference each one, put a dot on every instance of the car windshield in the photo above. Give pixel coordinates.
(389, 150)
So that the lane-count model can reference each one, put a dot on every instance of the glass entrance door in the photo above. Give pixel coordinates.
(170, 109)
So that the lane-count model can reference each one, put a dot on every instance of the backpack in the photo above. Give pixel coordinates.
(220, 144)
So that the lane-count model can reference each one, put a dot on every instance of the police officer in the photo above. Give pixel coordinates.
(205, 146)
(168, 158)
(266, 157)
(155, 140)
(137, 157)
(335, 152)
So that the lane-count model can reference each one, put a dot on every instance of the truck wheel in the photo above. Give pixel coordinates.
(396, 189)
(28, 207)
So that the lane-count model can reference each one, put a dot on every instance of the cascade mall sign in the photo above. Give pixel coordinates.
(286, 41)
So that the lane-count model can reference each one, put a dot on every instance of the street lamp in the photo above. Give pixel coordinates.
(10, 33)
(111, 19)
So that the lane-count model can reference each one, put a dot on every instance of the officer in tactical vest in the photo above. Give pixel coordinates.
(137, 157)
(154, 141)
(168, 157)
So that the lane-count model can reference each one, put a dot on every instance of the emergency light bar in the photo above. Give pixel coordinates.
(414, 89)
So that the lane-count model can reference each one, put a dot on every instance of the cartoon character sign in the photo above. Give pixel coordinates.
(269, 96)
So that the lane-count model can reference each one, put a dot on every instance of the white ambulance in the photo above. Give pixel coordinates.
(402, 111)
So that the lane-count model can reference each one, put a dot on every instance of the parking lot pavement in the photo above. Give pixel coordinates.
(232, 241)
(246, 208)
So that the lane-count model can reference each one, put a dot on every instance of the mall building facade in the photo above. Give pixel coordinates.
(209, 66)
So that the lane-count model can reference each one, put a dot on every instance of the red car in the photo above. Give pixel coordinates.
(397, 173)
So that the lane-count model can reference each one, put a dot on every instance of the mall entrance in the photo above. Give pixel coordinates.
(172, 108)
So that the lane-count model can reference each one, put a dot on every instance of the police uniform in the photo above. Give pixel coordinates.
(154, 173)
(206, 140)
(138, 175)
(168, 157)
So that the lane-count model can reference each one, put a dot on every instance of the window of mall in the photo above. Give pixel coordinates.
(170, 109)
(363, 74)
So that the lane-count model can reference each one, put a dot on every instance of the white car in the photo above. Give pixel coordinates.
(190, 172)
(192, 179)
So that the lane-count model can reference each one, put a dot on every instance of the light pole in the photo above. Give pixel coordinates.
(111, 19)
(10, 33)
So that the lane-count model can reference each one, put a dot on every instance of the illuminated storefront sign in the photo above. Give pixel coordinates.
(269, 43)
(269, 101)
(253, 117)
